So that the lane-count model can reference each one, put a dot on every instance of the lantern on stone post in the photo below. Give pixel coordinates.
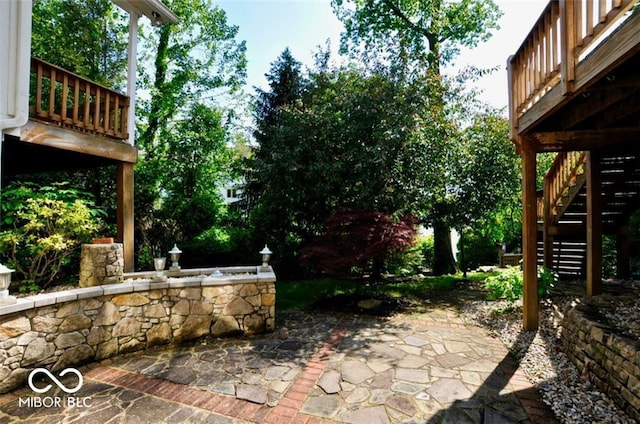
(266, 255)
(174, 254)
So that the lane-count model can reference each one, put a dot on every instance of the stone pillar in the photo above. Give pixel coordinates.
(101, 264)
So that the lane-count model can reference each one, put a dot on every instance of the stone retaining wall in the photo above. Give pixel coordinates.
(62, 329)
(610, 361)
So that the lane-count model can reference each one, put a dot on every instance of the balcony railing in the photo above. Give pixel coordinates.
(68, 100)
(564, 34)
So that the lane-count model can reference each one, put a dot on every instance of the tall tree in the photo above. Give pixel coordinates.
(197, 61)
(286, 86)
(421, 35)
(351, 141)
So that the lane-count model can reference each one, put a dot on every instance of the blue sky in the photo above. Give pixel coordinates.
(269, 26)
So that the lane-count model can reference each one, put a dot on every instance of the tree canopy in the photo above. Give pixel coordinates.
(414, 38)
(429, 32)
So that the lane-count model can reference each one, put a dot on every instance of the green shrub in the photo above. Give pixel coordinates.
(414, 260)
(41, 230)
(546, 280)
(505, 285)
(477, 250)
(509, 284)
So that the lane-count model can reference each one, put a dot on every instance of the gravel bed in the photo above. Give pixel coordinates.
(572, 399)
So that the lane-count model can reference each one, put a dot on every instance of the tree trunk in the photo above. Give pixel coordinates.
(443, 261)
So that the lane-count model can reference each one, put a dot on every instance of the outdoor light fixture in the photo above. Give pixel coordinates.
(266, 255)
(175, 255)
(156, 18)
(5, 281)
(158, 264)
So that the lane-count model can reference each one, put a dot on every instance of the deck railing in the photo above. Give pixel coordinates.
(562, 175)
(66, 99)
(565, 32)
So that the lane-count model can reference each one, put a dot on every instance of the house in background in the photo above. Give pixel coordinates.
(231, 191)
(94, 129)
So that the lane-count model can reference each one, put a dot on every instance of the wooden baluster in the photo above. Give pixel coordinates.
(39, 90)
(568, 61)
(52, 93)
(87, 104)
(76, 102)
(556, 36)
(536, 56)
(107, 107)
(117, 118)
(96, 111)
(589, 18)
(547, 48)
(579, 23)
(602, 10)
(63, 106)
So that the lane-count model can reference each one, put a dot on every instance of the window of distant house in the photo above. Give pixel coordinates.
(232, 192)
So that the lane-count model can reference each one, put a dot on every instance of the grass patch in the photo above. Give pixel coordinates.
(299, 294)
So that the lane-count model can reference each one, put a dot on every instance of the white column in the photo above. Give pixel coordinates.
(132, 55)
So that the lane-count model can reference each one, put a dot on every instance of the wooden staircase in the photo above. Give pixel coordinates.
(564, 207)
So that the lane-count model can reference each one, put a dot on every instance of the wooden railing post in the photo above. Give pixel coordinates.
(512, 90)
(567, 45)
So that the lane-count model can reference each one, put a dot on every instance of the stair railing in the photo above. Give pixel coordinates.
(562, 175)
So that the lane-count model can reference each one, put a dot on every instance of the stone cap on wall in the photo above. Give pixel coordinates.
(142, 281)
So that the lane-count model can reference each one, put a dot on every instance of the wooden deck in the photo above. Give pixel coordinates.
(574, 81)
(75, 123)
(574, 88)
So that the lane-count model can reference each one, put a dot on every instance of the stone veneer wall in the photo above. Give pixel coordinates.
(101, 264)
(62, 329)
(610, 361)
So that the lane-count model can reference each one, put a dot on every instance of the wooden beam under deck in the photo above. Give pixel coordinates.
(559, 141)
(53, 136)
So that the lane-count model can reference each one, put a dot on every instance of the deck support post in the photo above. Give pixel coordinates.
(594, 224)
(529, 239)
(125, 212)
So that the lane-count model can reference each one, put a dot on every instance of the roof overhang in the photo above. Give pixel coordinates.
(155, 10)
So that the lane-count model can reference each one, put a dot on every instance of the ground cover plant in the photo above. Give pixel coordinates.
(302, 294)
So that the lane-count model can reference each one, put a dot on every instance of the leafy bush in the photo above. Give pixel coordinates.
(359, 240)
(546, 280)
(414, 260)
(477, 250)
(510, 283)
(505, 285)
(41, 230)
